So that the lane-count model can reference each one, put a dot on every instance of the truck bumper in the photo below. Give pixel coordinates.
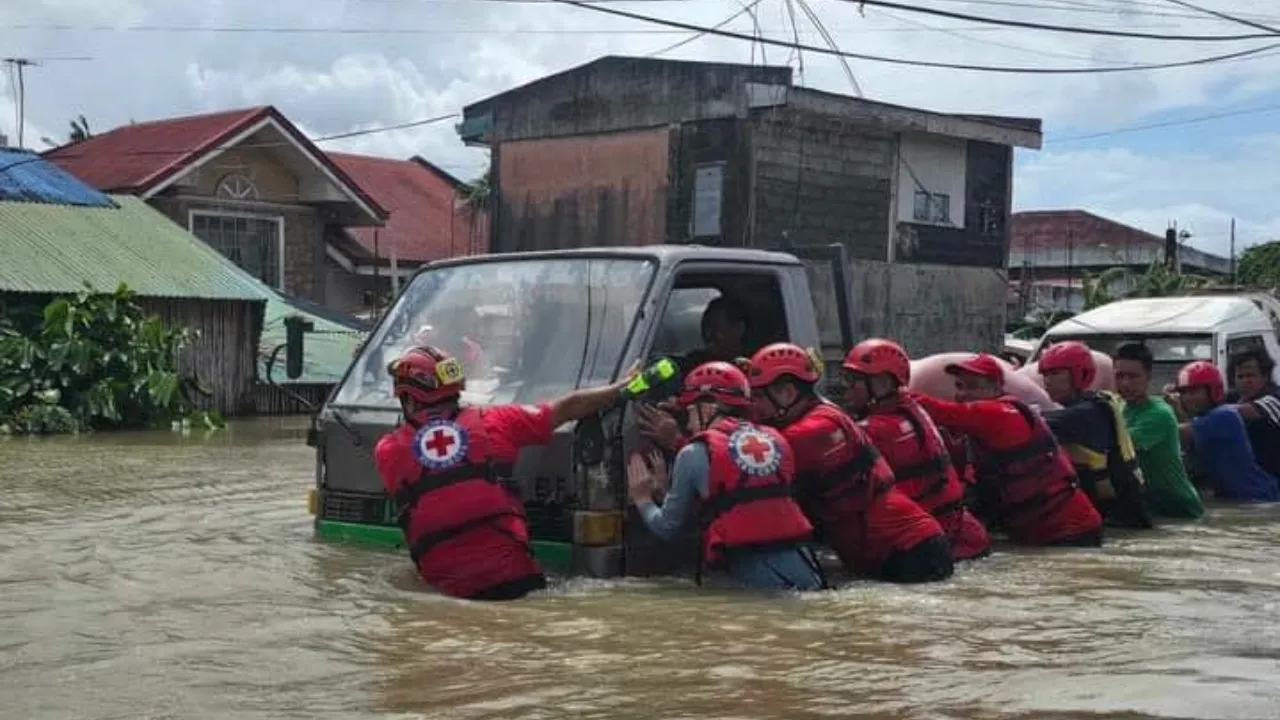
(599, 555)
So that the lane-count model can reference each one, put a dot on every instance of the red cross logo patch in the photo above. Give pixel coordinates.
(754, 452)
(440, 444)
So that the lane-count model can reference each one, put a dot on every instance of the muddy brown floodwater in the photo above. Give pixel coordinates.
(160, 576)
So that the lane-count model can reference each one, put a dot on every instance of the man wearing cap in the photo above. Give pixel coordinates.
(1026, 483)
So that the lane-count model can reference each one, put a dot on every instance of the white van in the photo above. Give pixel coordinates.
(1178, 329)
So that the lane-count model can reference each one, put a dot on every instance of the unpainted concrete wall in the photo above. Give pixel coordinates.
(819, 182)
(927, 308)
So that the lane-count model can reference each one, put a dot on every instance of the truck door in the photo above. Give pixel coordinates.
(826, 274)
(776, 302)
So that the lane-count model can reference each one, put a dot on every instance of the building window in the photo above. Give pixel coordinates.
(932, 208)
(237, 187)
(255, 244)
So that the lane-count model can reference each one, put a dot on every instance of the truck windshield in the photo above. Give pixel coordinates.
(525, 330)
(1170, 352)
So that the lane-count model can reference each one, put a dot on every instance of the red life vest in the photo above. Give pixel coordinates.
(921, 463)
(856, 507)
(1032, 489)
(924, 471)
(748, 504)
(458, 510)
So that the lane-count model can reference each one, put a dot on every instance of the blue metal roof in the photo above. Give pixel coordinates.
(27, 177)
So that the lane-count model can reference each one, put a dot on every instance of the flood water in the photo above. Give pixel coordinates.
(160, 576)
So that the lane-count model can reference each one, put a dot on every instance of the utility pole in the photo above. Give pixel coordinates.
(1233, 252)
(17, 67)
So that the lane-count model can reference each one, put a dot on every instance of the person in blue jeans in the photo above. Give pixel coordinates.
(1218, 439)
(739, 475)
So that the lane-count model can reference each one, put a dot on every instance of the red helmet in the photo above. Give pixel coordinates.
(720, 381)
(427, 375)
(876, 356)
(782, 360)
(1202, 373)
(1075, 358)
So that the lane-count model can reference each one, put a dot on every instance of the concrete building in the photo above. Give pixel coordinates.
(625, 151)
(1052, 250)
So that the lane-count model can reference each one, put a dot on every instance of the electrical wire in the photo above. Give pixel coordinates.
(1224, 16)
(1166, 124)
(1013, 70)
(746, 9)
(1058, 28)
(200, 149)
(995, 43)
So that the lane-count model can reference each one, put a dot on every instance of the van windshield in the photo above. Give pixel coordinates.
(1170, 352)
(525, 330)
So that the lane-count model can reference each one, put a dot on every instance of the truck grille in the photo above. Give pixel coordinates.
(546, 522)
(355, 508)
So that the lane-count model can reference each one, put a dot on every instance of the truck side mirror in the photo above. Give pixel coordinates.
(588, 441)
(295, 327)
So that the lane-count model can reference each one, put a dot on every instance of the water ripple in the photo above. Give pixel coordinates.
(177, 577)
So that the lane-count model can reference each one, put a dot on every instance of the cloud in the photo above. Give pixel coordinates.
(1200, 190)
(397, 61)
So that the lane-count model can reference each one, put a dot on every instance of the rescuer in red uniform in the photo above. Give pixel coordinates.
(1025, 480)
(742, 475)
(843, 484)
(444, 466)
(876, 370)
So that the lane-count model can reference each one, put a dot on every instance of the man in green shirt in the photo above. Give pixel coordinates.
(1154, 429)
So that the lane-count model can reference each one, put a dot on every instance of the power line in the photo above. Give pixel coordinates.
(435, 30)
(1167, 123)
(246, 146)
(1127, 9)
(995, 43)
(1224, 16)
(917, 63)
(746, 9)
(1059, 28)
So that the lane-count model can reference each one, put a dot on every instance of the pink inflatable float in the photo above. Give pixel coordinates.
(1106, 379)
(929, 377)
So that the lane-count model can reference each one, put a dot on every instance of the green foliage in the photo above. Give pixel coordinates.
(1156, 281)
(1259, 266)
(79, 130)
(475, 196)
(93, 362)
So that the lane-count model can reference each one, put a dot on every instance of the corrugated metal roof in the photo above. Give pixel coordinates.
(57, 248)
(327, 350)
(133, 156)
(26, 177)
(138, 156)
(426, 222)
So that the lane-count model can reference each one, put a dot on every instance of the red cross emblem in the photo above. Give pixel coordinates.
(440, 444)
(754, 447)
(754, 452)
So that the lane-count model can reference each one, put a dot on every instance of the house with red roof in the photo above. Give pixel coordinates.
(1050, 252)
(430, 220)
(323, 227)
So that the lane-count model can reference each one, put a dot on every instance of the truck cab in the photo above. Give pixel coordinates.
(1178, 330)
(532, 327)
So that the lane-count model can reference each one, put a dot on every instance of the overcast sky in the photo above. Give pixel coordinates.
(334, 66)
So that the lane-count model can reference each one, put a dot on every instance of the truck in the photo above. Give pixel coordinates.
(1206, 325)
(533, 326)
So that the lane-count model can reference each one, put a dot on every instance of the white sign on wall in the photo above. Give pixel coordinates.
(708, 199)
